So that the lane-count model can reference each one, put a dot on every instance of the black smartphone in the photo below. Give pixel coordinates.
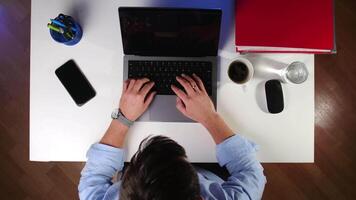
(75, 82)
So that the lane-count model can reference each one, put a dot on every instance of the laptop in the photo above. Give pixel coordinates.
(162, 43)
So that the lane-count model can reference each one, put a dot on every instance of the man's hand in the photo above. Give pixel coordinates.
(195, 102)
(136, 97)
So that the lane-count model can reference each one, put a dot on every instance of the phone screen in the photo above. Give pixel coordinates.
(75, 82)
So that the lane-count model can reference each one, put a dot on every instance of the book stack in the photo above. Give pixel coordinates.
(293, 26)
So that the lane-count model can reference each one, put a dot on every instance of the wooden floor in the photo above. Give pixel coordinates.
(332, 176)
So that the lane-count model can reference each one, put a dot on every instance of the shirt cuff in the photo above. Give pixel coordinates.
(106, 155)
(234, 148)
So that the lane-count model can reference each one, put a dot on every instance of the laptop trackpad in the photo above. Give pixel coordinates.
(164, 109)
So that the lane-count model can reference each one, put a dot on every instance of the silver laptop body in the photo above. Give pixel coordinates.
(163, 107)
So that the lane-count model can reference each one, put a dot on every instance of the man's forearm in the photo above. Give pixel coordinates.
(115, 135)
(104, 160)
(217, 127)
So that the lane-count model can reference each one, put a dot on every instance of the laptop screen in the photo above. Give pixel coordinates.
(169, 31)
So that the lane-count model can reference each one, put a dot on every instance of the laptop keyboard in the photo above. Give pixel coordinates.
(164, 73)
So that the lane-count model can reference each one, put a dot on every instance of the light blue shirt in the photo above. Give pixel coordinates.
(246, 179)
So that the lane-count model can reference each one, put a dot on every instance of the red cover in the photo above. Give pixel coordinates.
(285, 23)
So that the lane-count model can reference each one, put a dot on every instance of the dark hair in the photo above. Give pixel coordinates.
(159, 171)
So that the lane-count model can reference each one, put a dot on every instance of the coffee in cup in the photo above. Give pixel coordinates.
(240, 71)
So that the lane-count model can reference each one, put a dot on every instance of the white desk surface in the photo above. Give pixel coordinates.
(62, 131)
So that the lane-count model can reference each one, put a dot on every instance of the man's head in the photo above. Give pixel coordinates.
(159, 171)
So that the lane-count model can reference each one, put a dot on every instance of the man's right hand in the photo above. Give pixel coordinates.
(195, 102)
(136, 97)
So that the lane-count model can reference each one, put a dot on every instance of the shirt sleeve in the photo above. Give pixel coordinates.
(102, 164)
(246, 179)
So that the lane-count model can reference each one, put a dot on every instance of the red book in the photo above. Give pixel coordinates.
(301, 26)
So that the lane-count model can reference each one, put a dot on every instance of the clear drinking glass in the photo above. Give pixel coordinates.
(296, 72)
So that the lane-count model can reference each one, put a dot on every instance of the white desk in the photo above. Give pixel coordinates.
(61, 131)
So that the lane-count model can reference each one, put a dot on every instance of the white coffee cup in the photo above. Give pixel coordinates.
(240, 71)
